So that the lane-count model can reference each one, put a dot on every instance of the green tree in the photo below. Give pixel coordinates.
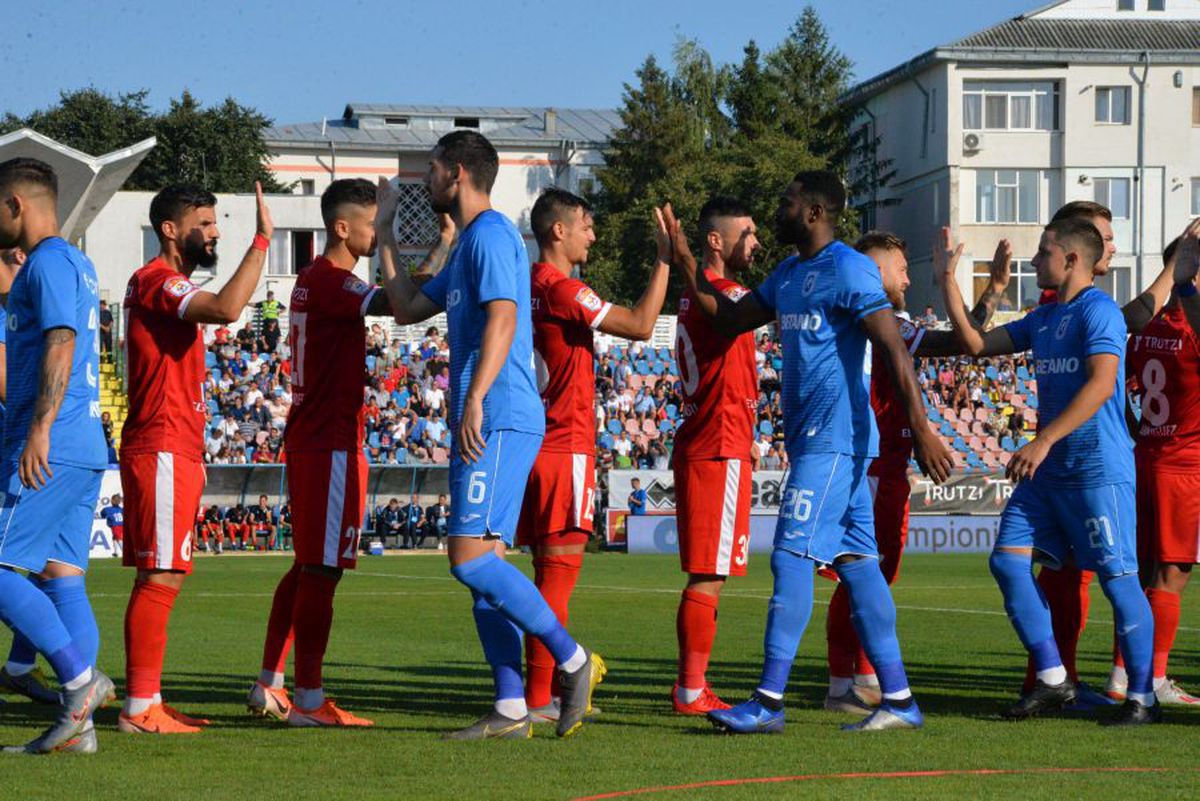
(220, 147)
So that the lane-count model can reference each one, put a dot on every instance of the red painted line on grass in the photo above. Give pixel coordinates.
(903, 774)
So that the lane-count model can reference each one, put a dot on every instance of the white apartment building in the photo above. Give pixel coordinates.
(1076, 100)
(538, 148)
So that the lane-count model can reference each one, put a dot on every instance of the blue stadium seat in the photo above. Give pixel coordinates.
(210, 359)
(765, 427)
(641, 368)
(606, 442)
(960, 445)
(947, 430)
(212, 407)
(777, 363)
(217, 419)
(974, 461)
(659, 368)
(665, 426)
(618, 352)
(1006, 442)
(373, 439)
(992, 373)
(216, 374)
(371, 360)
(1023, 373)
(935, 415)
(615, 427)
(672, 411)
(1031, 401)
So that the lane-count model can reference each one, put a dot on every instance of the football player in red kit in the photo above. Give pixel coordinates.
(556, 516)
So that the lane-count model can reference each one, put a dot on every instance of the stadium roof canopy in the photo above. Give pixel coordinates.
(85, 183)
(1033, 40)
(375, 126)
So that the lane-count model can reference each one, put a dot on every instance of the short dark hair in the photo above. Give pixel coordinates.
(552, 206)
(720, 206)
(1082, 209)
(823, 187)
(356, 191)
(472, 150)
(171, 202)
(1075, 232)
(880, 240)
(23, 170)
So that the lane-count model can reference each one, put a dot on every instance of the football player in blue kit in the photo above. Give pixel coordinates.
(1075, 480)
(53, 455)
(828, 300)
(498, 421)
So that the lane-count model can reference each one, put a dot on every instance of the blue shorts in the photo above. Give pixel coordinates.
(486, 496)
(51, 524)
(827, 509)
(1097, 524)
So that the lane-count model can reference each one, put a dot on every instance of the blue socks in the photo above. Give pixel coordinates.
(1135, 631)
(787, 617)
(510, 591)
(69, 595)
(30, 612)
(873, 613)
(22, 651)
(1027, 607)
(501, 642)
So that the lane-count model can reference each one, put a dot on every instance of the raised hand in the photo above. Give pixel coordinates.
(681, 252)
(386, 201)
(945, 256)
(1187, 255)
(446, 228)
(263, 223)
(662, 236)
(1001, 267)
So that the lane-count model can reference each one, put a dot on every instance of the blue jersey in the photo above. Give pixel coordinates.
(489, 263)
(114, 516)
(1063, 336)
(3, 341)
(826, 385)
(56, 288)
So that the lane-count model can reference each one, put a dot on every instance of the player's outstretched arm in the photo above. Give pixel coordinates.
(638, 322)
(408, 303)
(731, 318)
(1101, 384)
(58, 352)
(1000, 272)
(1141, 310)
(931, 455)
(497, 339)
(1183, 273)
(972, 339)
(226, 306)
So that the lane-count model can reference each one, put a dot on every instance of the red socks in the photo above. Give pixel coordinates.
(1066, 591)
(555, 577)
(696, 628)
(279, 625)
(312, 618)
(146, 637)
(1165, 607)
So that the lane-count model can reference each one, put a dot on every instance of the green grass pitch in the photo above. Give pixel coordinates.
(404, 653)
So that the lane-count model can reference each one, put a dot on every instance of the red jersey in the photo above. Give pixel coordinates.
(165, 364)
(329, 349)
(565, 312)
(1165, 358)
(895, 435)
(720, 382)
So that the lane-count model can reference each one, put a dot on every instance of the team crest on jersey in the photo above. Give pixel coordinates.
(588, 300)
(810, 283)
(907, 330)
(355, 285)
(1062, 327)
(735, 293)
(178, 287)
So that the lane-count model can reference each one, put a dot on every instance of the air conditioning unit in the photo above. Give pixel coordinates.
(972, 142)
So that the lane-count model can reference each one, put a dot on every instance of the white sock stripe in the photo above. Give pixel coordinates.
(164, 511)
(334, 507)
(733, 475)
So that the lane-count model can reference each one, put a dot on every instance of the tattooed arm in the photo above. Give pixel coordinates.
(59, 350)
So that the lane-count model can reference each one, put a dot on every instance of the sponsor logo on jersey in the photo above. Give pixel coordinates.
(736, 293)
(1062, 327)
(810, 283)
(453, 298)
(300, 294)
(589, 300)
(1061, 364)
(355, 285)
(178, 286)
(800, 322)
(908, 331)
(1159, 344)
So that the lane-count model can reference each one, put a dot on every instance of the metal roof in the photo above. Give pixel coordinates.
(363, 126)
(1026, 40)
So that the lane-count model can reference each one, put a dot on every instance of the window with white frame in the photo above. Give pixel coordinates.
(1118, 283)
(1114, 194)
(1022, 289)
(293, 249)
(1006, 196)
(1010, 106)
(1112, 105)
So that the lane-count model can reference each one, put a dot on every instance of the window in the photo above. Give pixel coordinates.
(308, 186)
(1112, 105)
(1022, 290)
(1118, 283)
(401, 121)
(1010, 106)
(1156, 5)
(1006, 196)
(1114, 193)
(292, 250)
(1124, 5)
(1196, 197)
(1196, 106)
(466, 122)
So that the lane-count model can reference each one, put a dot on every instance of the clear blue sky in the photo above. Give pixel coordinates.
(300, 60)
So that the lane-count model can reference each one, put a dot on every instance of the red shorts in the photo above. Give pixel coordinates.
(891, 493)
(712, 511)
(329, 497)
(118, 533)
(560, 500)
(1168, 523)
(162, 494)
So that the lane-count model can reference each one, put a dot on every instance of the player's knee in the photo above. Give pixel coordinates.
(331, 573)
(54, 570)
(1008, 566)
